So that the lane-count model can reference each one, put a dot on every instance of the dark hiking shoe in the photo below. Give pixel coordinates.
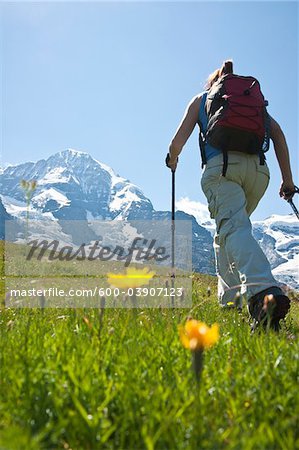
(268, 307)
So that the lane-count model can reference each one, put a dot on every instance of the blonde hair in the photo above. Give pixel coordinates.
(226, 68)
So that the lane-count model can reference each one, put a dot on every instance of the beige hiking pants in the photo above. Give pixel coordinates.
(241, 266)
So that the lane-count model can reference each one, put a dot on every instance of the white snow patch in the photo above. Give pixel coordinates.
(198, 210)
(13, 206)
(54, 176)
(288, 272)
(50, 194)
(19, 209)
(74, 152)
(123, 198)
(284, 229)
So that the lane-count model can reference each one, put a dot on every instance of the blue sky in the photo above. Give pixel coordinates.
(113, 79)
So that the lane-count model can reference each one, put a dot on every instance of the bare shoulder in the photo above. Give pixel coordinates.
(274, 127)
(193, 107)
(195, 101)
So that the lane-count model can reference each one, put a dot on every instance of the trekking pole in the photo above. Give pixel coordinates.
(172, 235)
(172, 227)
(172, 224)
(290, 201)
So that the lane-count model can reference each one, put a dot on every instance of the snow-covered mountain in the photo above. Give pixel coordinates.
(279, 238)
(72, 185)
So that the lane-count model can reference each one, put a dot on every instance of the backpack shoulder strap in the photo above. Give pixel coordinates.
(201, 137)
(201, 111)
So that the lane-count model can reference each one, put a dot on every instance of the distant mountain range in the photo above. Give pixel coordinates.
(279, 238)
(74, 186)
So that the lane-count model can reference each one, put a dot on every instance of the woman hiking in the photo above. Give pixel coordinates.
(234, 180)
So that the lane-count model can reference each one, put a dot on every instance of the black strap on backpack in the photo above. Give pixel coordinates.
(225, 162)
(201, 140)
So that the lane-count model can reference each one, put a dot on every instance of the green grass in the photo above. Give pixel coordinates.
(120, 379)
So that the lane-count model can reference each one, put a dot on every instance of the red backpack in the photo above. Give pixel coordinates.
(237, 117)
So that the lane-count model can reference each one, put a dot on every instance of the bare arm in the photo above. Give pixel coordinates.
(283, 158)
(184, 131)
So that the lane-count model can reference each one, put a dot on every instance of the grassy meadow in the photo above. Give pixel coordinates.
(120, 379)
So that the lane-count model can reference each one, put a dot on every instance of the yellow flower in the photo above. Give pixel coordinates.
(33, 185)
(86, 320)
(29, 186)
(24, 184)
(133, 278)
(197, 335)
